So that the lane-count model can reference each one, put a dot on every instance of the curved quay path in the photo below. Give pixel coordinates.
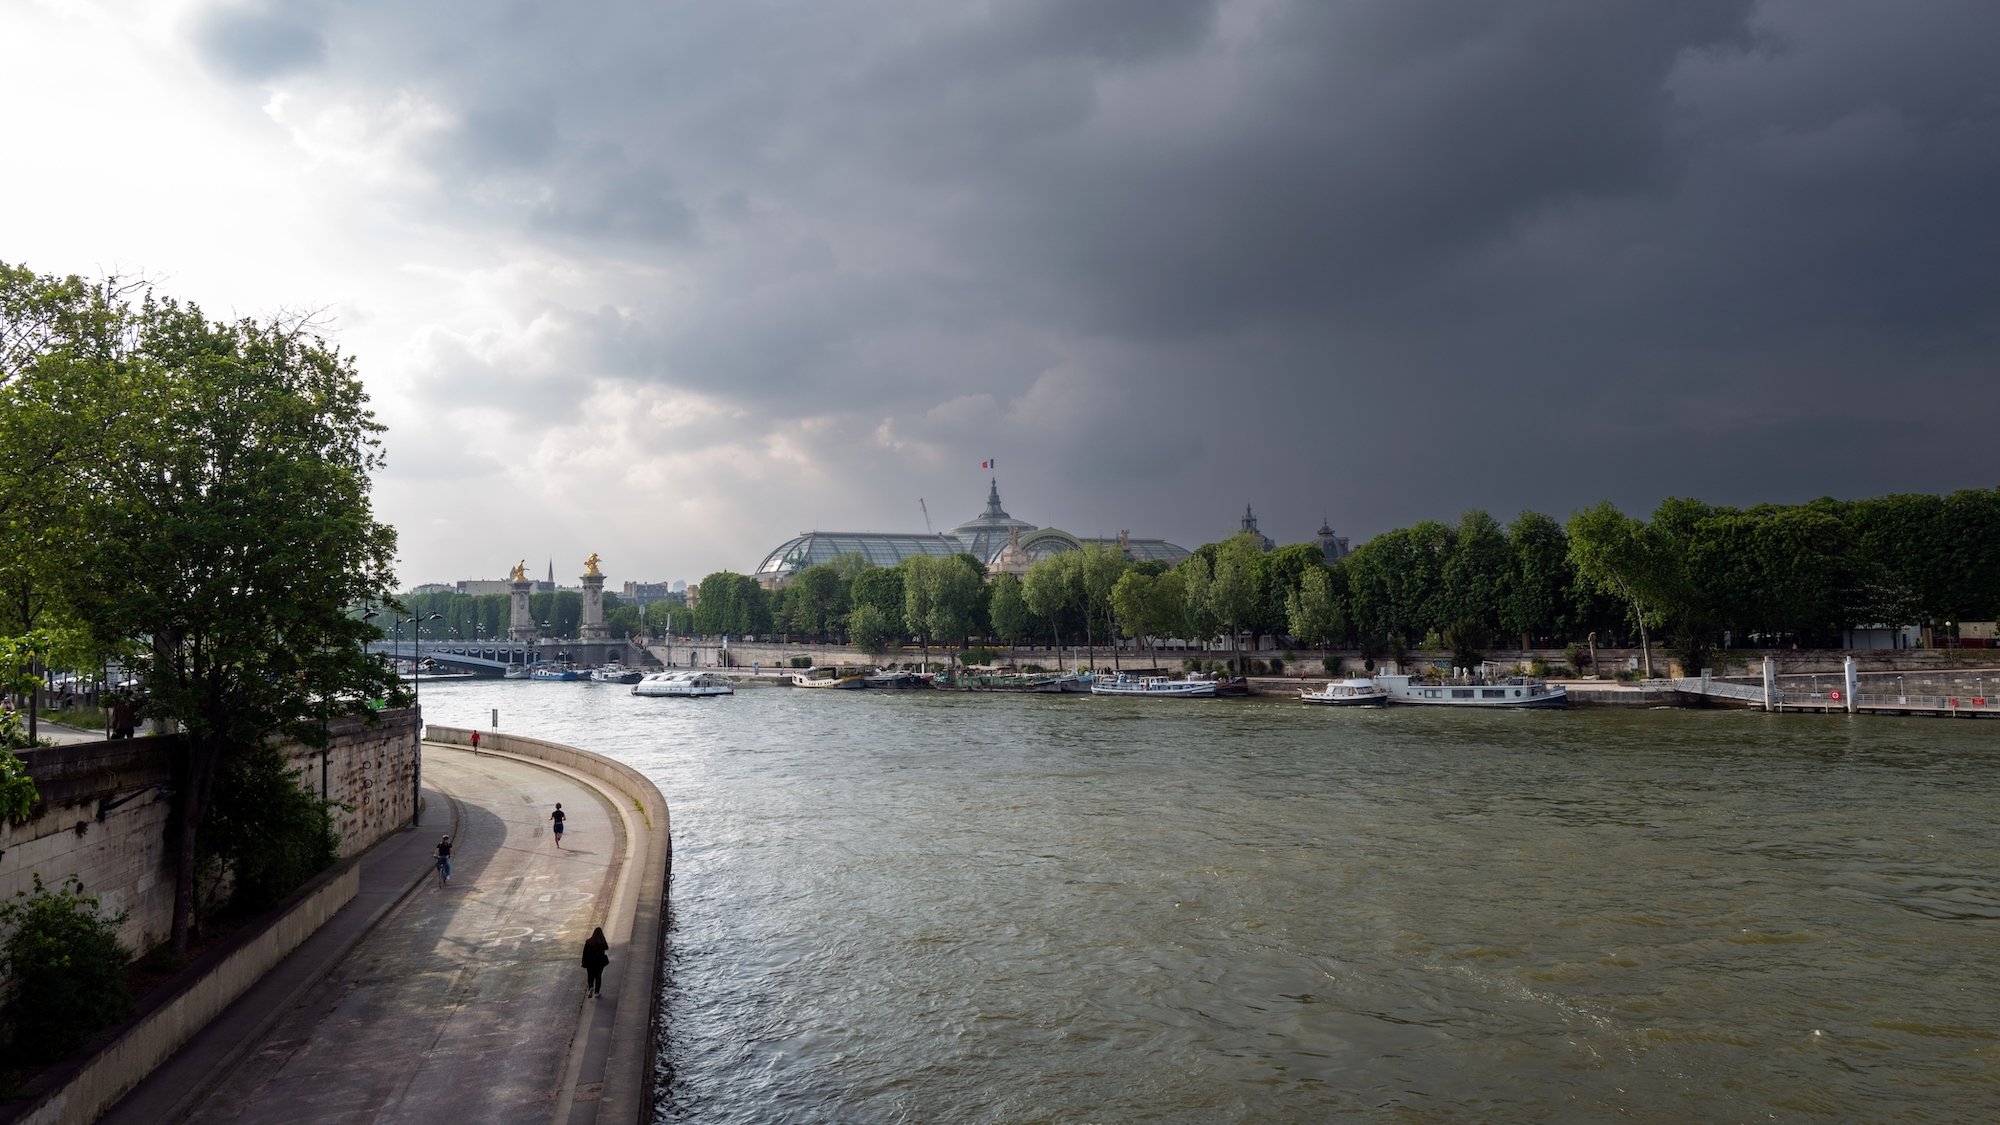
(462, 1002)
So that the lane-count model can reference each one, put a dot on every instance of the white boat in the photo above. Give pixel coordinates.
(852, 680)
(895, 678)
(684, 684)
(1157, 687)
(616, 673)
(1474, 691)
(1348, 693)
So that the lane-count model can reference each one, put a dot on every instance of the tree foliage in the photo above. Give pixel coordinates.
(65, 970)
(216, 525)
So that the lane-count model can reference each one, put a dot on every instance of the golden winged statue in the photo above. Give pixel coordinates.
(520, 573)
(590, 564)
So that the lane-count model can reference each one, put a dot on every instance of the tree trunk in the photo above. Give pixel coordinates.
(197, 781)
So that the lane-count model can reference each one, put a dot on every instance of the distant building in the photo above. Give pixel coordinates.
(481, 587)
(986, 537)
(432, 588)
(1249, 527)
(646, 593)
(1332, 548)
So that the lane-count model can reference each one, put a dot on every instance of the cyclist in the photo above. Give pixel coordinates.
(444, 860)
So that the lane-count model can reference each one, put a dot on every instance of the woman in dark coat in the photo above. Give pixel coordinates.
(596, 955)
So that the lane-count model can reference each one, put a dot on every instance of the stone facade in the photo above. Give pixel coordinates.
(106, 806)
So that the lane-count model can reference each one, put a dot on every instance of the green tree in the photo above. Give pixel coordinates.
(1233, 588)
(1007, 608)
(819, 599)
(1476, 570)
(881, 588)
(957, 593)
(868, 628)
(1618, 555)
(233, 541)
(1313, 612)
(731, 604)
(668, 617)
(1098, 569)
(1540, 577)
(1050, 589)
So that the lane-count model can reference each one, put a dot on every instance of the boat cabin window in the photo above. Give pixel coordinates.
(1493, 693)
(1461, 693)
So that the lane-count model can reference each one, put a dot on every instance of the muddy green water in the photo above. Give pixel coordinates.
(923, 907)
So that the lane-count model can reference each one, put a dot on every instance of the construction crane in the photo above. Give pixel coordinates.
(927, 516)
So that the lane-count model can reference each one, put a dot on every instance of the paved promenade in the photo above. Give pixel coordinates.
(427, 1003)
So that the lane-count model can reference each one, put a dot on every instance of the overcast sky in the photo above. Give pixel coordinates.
(673, 280)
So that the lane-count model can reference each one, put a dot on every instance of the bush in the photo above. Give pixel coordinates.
(1577, 655)
(802, 661)
(1538, 667)
(1331, 664)
(267, 829)
(970, 657)
(65, 971)
(18, 795)
(1277, 667)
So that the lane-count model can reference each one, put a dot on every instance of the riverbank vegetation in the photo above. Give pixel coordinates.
(188, 500)
(1695, 576)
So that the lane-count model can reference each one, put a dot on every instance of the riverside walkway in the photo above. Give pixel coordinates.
(422, 1002)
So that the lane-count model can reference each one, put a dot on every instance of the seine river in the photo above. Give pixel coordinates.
(927, 907)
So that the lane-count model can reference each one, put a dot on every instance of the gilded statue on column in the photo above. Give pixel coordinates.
(590, 564)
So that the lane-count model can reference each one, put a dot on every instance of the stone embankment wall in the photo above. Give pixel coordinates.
(106, 806)
(708, 652)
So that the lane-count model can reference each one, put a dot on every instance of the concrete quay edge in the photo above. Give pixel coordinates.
(174, 1051)
(610, 1072)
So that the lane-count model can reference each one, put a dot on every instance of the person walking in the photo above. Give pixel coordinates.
(444, 860)
(596, 955)
(475, 742)
(556, 818)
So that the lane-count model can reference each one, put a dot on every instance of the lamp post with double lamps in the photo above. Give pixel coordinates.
(417, 699)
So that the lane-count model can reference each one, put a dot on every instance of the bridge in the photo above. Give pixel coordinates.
(485, 658)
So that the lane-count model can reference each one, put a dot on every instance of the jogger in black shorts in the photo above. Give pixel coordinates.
(556, 818)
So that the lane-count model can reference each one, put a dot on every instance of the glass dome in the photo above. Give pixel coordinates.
(876, 548)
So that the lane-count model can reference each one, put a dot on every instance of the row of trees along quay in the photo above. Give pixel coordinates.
(1693, 576)
(188, 501)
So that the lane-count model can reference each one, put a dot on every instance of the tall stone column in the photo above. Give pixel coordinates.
(521, 626)
(593, 627)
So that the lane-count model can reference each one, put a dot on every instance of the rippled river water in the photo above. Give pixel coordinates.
(925, 907)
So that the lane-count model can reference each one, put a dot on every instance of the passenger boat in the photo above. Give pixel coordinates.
(1032, 683)
(554, 671)
(837, 680)
(895, 678)
(1225, 685)
(616, 673)
(1474, 691)
(1156, 687)
(684, 684)
(1348, 693)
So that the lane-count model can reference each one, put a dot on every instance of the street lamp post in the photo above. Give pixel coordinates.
(417, 693)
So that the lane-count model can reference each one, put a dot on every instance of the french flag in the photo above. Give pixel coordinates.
(986, 464)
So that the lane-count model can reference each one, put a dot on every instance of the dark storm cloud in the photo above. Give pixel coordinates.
(1455, 255)
(253, 42)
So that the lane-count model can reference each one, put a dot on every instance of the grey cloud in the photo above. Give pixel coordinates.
(1448, 254)
(255, 42)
